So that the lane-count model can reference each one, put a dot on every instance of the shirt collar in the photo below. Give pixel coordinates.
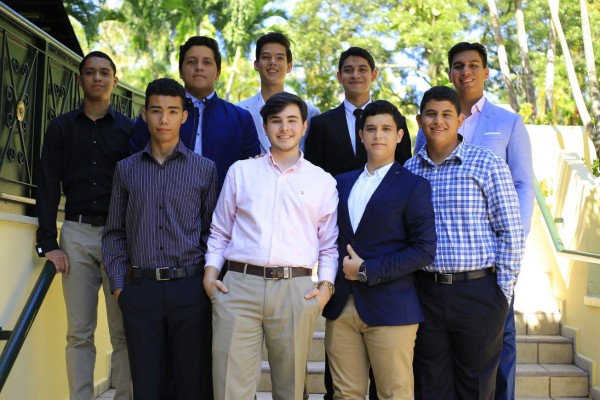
(349, 107)
(260, 100)
(180, 149)
(111, 112)
(199, 102)
(477, 107)
(269, 158)
(379, 172)
(459, 152)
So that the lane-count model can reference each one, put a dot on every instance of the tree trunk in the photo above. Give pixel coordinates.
(550, 57)
(502, 58)
(577, 96)
(588, 49)
(233, 71)
(524, 51)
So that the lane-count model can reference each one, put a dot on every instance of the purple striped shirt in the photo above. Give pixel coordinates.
(159, 214)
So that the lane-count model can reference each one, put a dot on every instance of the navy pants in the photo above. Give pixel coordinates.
(168, 330)
(458, 345)
(505, 380)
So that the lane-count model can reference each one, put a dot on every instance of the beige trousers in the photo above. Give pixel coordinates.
(252, 309)
(352, 345)
(82, 243)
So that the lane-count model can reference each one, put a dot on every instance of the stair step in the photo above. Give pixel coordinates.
(544, 349)
(551, 380)
(533, 380)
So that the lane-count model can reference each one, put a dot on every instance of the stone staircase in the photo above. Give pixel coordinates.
(545, 369)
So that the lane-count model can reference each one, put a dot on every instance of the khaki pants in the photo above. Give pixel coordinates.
(82, 243)
(253, 308)
(352, 345)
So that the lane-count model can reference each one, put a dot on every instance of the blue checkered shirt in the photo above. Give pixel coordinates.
(477, 218)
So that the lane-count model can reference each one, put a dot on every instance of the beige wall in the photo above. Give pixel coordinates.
(575, 202)
(39, 372)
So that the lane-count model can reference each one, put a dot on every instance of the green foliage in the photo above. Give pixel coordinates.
(409, 40)
(526, 111)
(595, 167)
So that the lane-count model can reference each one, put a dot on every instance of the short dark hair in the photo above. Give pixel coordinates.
(274, 37)
(98, 54)
(466, 46)
(279, 101)
(379, 107)
(165, 87)
(358, 52)
(440, 93)
(200, 41)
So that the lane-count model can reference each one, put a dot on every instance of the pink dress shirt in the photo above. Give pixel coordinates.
(268, 217)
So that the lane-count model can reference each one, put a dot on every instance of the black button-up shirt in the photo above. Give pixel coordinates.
(160, 214)
(80, 154)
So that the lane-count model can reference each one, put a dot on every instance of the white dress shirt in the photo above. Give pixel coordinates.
(361, 192)
(351, 120)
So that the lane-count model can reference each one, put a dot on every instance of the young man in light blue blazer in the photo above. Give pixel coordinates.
(504, 133)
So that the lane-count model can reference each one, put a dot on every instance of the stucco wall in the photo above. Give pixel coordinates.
(39, 372)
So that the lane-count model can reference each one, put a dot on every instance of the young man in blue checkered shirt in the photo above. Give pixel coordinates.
(465, 293)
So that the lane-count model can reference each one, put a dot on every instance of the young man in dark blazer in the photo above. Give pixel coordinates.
(386, 232)
(332, 138)
(215, 128)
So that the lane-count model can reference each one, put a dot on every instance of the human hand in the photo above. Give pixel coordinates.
(60, 259)
(351, 264)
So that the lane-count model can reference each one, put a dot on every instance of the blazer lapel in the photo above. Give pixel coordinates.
(341, 126)
(344, 193)
(388, 181)
(485, 120)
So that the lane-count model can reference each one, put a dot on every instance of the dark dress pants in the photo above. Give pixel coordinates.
(168, 329)
(458, 345)
(507, 370)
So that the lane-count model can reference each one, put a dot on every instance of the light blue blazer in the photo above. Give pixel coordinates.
(504, 133)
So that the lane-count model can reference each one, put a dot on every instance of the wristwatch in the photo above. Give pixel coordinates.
(362, 273)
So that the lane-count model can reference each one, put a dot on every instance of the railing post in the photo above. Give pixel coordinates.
(17, 338)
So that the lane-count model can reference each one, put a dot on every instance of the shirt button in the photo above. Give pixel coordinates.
(95, 202)
(94, 142)
(93, 162)
(94, 183)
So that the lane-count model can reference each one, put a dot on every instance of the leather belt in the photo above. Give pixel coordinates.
(166, 273)
(269, 272)
(449, 279)
(86, 219)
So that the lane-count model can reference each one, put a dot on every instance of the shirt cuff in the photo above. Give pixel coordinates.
(116, 282)
(216, 260)
(326, 273)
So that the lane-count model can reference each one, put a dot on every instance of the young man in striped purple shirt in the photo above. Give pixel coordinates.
(154, 244)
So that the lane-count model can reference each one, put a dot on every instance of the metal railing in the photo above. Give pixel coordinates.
(17, 336)
(555, 236)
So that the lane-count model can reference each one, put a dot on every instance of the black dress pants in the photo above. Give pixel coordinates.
(168, 329)
(458, 345)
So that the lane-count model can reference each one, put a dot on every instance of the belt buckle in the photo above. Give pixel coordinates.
(446, 279)
(159, 276)
(270, 276)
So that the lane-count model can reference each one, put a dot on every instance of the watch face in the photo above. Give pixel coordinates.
(362, 277)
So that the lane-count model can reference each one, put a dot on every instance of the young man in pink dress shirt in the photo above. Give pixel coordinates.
(275, 218)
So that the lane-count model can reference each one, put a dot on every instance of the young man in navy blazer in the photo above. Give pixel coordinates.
(215, 128)
(386, 232)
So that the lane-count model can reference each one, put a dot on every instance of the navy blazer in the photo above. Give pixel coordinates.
(395, 236)
(228, 133)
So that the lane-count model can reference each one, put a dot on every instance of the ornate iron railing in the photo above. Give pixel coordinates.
(38, 81)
